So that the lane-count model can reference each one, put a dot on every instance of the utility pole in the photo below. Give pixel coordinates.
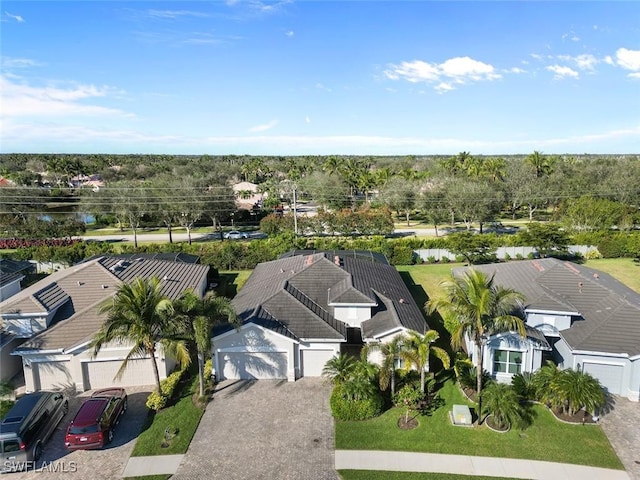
(295, 210)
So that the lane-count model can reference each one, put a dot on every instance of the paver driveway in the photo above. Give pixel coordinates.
(108, 463)
(264, 429)
(622, 426)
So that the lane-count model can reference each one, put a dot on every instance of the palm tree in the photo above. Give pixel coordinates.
(482, 309)
(545, 383)
(140, 314)
(540, 163)
(390, 351)
(416, 353)
(339, 369)
(580, 390)
(199, 315)
(503, 403)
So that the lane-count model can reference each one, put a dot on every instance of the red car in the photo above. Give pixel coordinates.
(96, 419)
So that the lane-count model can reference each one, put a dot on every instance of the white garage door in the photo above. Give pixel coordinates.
(262, 366)
(101, 374)
(313, 361)
(610, 376)
(52, 375)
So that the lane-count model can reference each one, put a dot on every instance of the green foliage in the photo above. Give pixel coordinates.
(523, 385)
(502, 402)
(157, 401)
(402, 255)
(343, 407)
(410, 397)
(472, 247)
(547, 238)
(5, 406)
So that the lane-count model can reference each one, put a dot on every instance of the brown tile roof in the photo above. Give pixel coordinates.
(89, 284)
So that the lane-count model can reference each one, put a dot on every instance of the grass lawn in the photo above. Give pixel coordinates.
(371, 475)
(547, 439)
(183, 415)
(622, 269)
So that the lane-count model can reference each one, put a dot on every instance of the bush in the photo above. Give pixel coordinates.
(402, 255)
(156, 401)
(431, 259)
(344, 408)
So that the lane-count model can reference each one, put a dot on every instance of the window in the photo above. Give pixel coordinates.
(507, 361)
(398, 363)
(9, 446)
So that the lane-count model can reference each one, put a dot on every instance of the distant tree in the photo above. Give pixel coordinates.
(589, 213)
(473, 247)
(547, 238)
(401, 195)
(541, 164)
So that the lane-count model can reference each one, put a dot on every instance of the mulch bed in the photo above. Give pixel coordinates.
(494, 426)
(580, 417)
(404, 424)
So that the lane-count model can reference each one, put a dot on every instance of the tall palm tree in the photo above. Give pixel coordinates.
(542, 164)
(199, 315)
(417, 349)
(140, 314)
(390, 351)
(482, 309)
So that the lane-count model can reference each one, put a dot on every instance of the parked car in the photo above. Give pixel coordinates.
(27, 426)
(235, 235)
(94, 424)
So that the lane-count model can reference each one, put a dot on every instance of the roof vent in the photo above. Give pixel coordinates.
(79, 283)
(104, 286)
(165, 278)
(401, 300)
(596, 276)
(281, 270)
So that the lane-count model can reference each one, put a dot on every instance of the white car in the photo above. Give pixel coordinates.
(235, 235)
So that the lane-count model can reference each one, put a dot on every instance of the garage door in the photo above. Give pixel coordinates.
(313, 361)
(610, 376)
(52, 375)
(101, 374)
(262, 366)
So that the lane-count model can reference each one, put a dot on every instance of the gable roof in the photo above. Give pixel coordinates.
(609, 311)
(297, 292)
(85, 286)
(12, 270)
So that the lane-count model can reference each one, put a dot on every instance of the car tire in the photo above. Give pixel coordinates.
(37, 451)
(110, 435)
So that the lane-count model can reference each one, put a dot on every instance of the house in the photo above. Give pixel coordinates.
(12, 272)
(301, 310)
(56, 318)
(576, 316)
(247, 195)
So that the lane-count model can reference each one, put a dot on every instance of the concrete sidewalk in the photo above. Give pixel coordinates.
(467, 465)
(154, 465)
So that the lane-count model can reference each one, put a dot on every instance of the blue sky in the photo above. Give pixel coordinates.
(329, 77)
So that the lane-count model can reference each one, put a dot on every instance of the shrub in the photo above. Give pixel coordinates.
(445, 260)
(156, 401)
(345, 408)
(523, 385)
(519, 256)
(402, 255)
(431, 259)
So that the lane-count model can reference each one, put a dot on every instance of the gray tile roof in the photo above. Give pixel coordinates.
(296, 291)
(88, 284)
(609, 311)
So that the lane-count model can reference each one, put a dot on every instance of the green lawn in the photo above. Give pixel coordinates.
(183, 415)
(547, 439)
(622, 269)
(371, 475)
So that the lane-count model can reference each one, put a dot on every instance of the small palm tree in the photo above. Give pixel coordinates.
(545, 384)
(416, 353)
(502, 402)
(339, 369)
(199, 315)
(140, 314)
(390, 351)
(580, 390)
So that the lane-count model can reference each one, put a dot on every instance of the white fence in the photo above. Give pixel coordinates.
(501, 252)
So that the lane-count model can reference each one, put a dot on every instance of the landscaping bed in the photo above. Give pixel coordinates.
(373, 475)
(546, 439)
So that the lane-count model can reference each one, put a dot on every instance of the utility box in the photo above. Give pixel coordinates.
(461, 415)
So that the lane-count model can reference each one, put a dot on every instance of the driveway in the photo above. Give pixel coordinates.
(264, 429)
(107, 463)
(622, 426)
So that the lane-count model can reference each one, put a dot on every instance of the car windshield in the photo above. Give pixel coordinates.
(73, 430)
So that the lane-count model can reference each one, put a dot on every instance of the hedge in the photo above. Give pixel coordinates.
(345, 408)
(155, 400)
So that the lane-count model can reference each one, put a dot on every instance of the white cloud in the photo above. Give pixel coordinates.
(608, 60)
(307, 119)
(562, 72)
(321, 86)
(571, 36)
(9, 62)
(9, 17)
(516, 70)
(19, 99)
(264, 127)
(628, 59)
(458, 70)
(173, 14)
(634, 75)
(289, 33)
(586, 61)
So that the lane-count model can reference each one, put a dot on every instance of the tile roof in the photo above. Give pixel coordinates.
(609, 311)
(87, 285)
(296, 291)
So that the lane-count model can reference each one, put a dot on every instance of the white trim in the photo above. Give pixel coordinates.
(251, 349)
(245, 326)
(323, 340)
(604, 354)
(634, 358)
(78, 347)
(389, 332)
(333, 304)
(50, 360)
(552, 312)
(595, 362)
(113, 359)
(24, 353)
